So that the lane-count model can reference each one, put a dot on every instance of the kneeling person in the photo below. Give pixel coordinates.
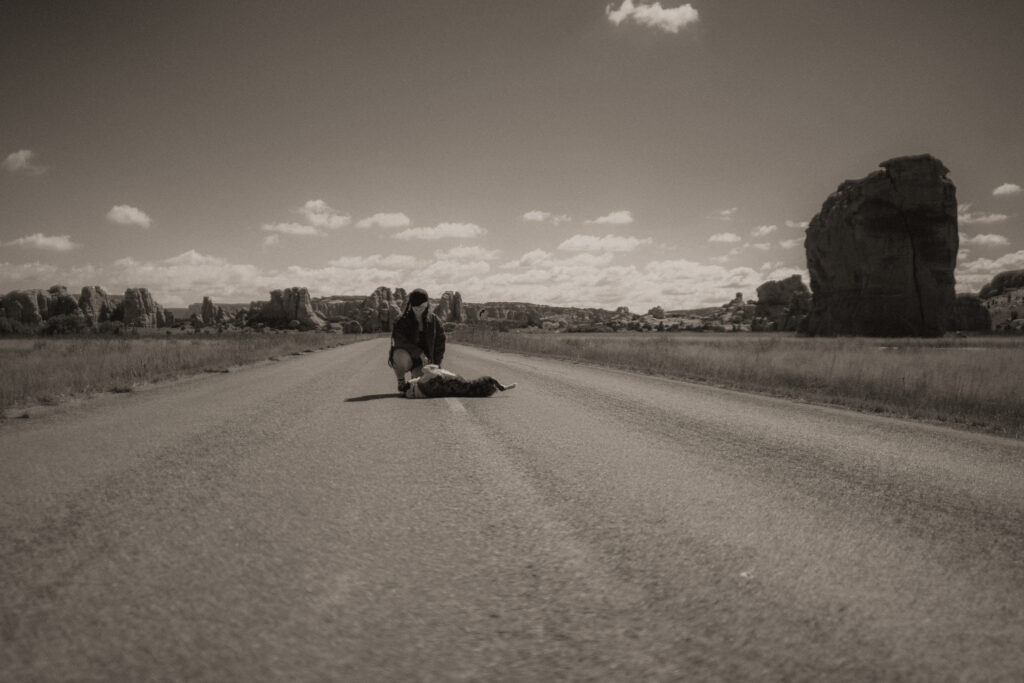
(417, 339)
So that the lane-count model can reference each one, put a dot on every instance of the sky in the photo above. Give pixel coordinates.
(566, 152)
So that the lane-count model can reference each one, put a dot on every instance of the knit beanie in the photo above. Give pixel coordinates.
(417, 297)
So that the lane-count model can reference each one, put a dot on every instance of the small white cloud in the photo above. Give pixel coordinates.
(965, 216)
(21, 162)
(726, 237)
(653, 15)
(763, 246)
(385, 220)
(984, 240)
(291, 229)
(762, 230)
(726, 214)
(797, 224)
(544, 217)
(122, 214)
(442, 231)
(607, 244)
(1006, 189)
(47, 242)
(318, 213)
(272, 240)
(791, 244)
(614, 218)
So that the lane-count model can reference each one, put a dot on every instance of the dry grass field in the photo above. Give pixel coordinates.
(975, 383)
(50, 370)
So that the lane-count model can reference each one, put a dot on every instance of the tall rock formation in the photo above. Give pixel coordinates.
(285, 306)
(28, 306)
(882, 251)
(95, 304)
(450, 308)
(141, 311)
(380, 310)
(61, 302)
(783, 303)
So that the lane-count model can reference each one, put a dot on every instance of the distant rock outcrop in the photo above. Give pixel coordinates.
(782, 304)
(285, 307)
(882, 251)
(379, 311)
(1003, 299)
(96, 305)
(450, 308)
(1007, 280)
(28, 306)
(61, 303)
(141, 311)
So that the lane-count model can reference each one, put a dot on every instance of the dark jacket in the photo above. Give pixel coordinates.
(406, 335)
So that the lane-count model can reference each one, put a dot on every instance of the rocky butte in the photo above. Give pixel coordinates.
(882, 251)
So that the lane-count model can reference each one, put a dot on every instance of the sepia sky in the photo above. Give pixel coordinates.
(571, 152)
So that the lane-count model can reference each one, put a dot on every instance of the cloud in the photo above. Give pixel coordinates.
(965, 216)
(21, 162)
(1006, 189)
(318, 213)
(984, 240)
(653, 15)
(791, 244)
(291, 229)
(388, 262)
(461, 253)
(762, 230)
(272, 240)
(385, 220)
(726, 214)
(442, 231)
(608, 243)
(971, 276)
(46, 242)
(726, 237)
(763, 246)
(797, 224)
(122, 214)
(614, 218)
(544, 217)
(687, 284)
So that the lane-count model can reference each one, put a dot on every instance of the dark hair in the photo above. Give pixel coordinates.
(417, 297)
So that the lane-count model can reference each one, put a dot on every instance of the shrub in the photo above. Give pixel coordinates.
(63, 324)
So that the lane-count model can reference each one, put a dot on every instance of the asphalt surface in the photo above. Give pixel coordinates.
(298, 521)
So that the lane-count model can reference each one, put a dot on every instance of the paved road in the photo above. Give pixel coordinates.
(296, 521)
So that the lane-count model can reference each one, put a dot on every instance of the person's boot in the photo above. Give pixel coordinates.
(402, 386)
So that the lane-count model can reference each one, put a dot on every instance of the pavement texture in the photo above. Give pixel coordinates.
(300, 521)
